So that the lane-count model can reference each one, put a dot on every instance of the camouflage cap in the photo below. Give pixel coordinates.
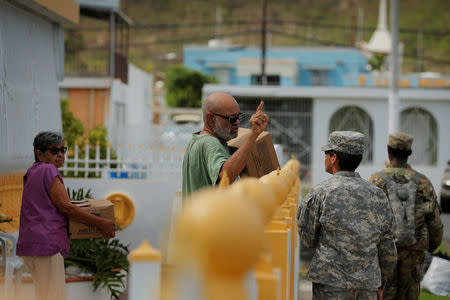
(349, 142)
(400, 141)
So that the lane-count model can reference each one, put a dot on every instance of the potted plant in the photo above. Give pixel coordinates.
(105, 259)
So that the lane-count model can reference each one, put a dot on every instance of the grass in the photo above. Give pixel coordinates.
(424, 295)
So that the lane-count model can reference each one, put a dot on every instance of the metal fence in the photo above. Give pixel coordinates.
(289, 125)
(132, 162)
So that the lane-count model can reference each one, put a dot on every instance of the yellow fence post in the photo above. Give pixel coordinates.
(225, 232)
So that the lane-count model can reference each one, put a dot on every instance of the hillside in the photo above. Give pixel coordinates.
(163, 26)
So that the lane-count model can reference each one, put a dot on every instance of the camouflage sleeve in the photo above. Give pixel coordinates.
(308, 220)
(377, 180)
(426, 193)
(387, 252)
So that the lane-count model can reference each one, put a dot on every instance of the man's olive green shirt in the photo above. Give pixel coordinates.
(202, 162)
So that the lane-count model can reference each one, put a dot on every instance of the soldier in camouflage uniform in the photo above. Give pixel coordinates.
(425, 211)
(349, 222)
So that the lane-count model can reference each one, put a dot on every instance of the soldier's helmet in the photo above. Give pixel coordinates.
(349, 142)
(400, 141)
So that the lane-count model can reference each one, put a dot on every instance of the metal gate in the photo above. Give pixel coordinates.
(289, 125)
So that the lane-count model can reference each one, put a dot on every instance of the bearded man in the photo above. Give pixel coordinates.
(207, 156)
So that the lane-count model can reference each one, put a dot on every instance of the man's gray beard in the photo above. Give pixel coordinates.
(222, 133)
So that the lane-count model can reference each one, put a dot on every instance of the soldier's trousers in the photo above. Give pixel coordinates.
(326, 292)
(405, 284)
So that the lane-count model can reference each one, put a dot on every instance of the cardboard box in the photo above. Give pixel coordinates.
(263, 158)
(99, 207)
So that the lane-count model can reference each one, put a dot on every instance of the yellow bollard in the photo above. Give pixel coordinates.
(225, 181)
(279, 187)
(268, 278)
(258, 194)
(277, 233)
(221, 235)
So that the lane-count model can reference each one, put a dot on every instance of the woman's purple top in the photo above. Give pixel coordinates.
(43, 229)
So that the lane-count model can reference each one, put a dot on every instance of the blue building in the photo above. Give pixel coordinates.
(285, 66)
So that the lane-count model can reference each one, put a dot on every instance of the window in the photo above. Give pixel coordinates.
(319, 77)
(223, 75)
(354, 119)
(271, 79)
(422, 126)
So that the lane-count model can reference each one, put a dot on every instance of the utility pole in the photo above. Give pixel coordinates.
(263, 44)
(419, 51)
(218, 21)
(112, 44)
(354, 31)
(394, 101)
(359, 34)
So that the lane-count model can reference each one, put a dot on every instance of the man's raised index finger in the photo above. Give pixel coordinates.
(260, 107)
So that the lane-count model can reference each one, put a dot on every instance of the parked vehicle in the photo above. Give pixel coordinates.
(445, 190)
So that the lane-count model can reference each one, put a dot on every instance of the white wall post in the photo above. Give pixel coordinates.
(145, 272)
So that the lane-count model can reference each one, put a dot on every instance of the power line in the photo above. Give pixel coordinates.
(169, 41)
(311, 39)
(166, 26)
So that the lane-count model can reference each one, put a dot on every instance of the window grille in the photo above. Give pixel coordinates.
(319, 78)
(289, 125)
(271, 79)
(421, 125)
(355, 119)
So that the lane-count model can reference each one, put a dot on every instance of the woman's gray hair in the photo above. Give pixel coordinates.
(44, 139)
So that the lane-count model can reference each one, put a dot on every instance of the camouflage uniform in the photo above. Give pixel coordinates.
(405, 283)
(349, 222)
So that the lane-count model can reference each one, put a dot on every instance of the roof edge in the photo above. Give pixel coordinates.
(66, 12)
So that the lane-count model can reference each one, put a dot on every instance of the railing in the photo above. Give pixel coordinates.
(135, 162)
(231, 242)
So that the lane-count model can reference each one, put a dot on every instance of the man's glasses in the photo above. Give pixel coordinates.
(63, 150)
(233, 118)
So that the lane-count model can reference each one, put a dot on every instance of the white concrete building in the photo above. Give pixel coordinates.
(425, 114)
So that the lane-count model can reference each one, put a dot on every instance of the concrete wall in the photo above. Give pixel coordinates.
(324, 108)
(29, 97)
(135, 98)
(152, 200)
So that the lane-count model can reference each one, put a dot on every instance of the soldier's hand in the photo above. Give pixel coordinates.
(259, 120)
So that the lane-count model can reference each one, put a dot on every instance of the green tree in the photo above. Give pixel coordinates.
(184, 86)
(99, 135)
(376, 61)
(73, 129)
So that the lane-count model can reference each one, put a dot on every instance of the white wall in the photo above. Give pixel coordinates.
(136, 98)
(29, 97)
(152, 200)
(324, 108)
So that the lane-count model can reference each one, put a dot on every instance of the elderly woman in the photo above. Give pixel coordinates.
(43, 234)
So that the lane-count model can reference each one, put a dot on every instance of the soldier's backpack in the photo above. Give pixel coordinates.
(402, 196)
